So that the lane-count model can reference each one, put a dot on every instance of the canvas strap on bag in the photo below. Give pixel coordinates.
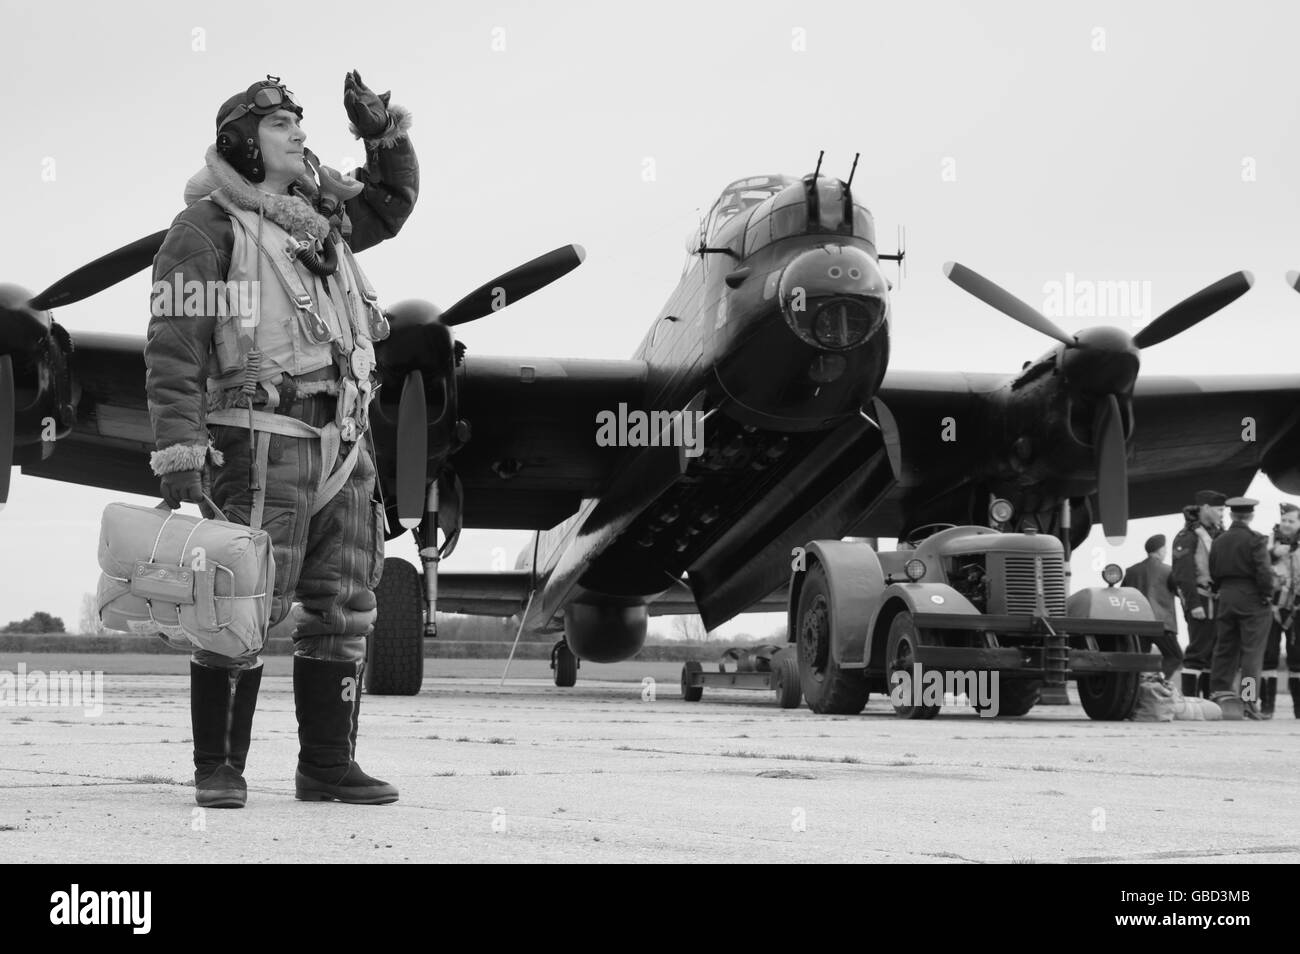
(194, 581)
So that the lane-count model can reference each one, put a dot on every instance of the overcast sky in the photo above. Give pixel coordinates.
(1118, 142)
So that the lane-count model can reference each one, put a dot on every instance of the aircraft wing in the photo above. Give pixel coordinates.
(679, 601)
(488, 593)
(505, 593)
(1189, 434)
(110, 443)
(1209, 433)
(531, 458)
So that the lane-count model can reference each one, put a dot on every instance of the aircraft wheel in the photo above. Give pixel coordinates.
(395, 650)
(827, 688)
(691, 693)
(1111, 696)
(565, 665)
(785, 679)
(900, 655)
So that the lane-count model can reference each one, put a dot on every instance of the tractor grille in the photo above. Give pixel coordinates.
(1022, 585)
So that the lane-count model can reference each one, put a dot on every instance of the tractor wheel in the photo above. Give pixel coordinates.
(1111, 696)
(1017, 696)
(900, 656)
(828, 689)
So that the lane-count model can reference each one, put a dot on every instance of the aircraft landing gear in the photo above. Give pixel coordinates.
(395, 650)
(565, 665)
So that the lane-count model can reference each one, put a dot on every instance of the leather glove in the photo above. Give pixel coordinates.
(182, 486)
(367, 111)
(1198, 613)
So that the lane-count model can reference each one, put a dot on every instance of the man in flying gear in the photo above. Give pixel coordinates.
(267, 394)
(1243, 580)
(1191, 577)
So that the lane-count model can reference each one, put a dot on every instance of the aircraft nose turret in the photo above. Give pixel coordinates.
(833, 296)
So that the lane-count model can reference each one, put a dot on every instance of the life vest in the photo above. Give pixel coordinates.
(297, 323)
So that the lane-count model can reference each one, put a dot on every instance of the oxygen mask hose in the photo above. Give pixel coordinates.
(252, 370)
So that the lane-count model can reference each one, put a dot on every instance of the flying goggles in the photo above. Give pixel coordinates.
(268, 96)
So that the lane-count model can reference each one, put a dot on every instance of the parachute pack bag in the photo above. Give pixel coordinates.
(1196, 710)
(197, 583)
(1155, 701)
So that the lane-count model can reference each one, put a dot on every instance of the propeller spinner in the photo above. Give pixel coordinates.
(25, 323)
(1103, 364)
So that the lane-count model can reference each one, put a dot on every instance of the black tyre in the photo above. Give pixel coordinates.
(827, 688)
(1112, 696)
(395, 650)
(1017, 696)
(691, 693)
(785, 679)
(565, 665)
(900, 654)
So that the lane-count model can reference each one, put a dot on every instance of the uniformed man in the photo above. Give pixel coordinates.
(1191, 577)
(1243, 579)
(275, 403)
(1284, 548)
(1153, 579)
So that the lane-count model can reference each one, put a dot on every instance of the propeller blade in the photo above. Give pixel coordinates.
(515, 284)
(1005, 302)
(1197, 307)
(412, 451)
(1293, 279)
(6, 424)
(103, 272)
(889, 433)
(1112, 470)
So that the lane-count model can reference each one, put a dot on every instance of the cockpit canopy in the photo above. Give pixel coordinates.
(771, 208)
(742, 196)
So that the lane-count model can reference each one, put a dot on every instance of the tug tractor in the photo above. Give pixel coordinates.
(966, 606)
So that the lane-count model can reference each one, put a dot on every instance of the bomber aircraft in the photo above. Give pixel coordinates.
(758, 413)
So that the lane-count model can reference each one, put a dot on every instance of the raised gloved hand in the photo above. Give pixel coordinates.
(182, 486)
(367, 111)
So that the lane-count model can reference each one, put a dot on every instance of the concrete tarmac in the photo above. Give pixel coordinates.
(619, 769)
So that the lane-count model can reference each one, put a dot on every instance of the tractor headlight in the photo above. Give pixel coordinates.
(915, 570)
(1112, 574)
(1001, 511)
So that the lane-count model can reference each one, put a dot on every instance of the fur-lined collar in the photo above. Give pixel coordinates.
(292, 213)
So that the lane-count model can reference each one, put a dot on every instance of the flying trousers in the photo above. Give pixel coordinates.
(331, 560)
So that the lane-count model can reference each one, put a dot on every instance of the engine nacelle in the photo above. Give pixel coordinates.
(417, 341)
